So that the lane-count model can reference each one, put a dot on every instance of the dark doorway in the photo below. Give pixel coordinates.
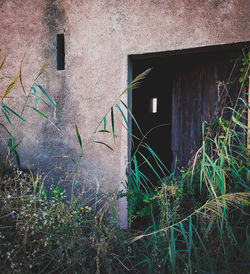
(185, 88)
(152, 108)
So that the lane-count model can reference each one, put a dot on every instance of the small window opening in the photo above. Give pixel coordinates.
(60, 52)
(153, 105)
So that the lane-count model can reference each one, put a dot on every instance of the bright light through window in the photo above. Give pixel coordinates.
(153, 105)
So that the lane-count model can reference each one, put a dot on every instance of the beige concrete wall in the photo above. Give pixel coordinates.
(99, 37)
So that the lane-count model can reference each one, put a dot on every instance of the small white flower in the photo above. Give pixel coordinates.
(30, 266)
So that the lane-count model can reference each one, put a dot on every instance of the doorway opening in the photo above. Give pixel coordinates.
(152, 109)
(178, 94)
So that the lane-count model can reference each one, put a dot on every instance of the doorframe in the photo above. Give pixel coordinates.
(179, 52)
(129, 117)
(149, 55)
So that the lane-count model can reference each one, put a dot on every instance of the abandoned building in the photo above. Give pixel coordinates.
(94, 48)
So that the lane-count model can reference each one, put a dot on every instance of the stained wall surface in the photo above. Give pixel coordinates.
(99, 37)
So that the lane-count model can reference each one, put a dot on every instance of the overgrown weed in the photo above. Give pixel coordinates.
(197, 219)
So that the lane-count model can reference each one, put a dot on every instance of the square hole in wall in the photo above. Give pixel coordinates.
(60, 49)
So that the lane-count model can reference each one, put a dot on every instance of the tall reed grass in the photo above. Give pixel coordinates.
(196, 222)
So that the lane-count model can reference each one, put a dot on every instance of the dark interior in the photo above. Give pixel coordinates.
(156, 126)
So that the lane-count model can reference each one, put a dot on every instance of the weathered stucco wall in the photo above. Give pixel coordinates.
(99, 37)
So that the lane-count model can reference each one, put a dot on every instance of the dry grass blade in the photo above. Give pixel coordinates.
(141, 76)
(138, 238)
(20, 77)
(3, 61)
(102, 143)
(215, 206)
(137, 81)
(78, 136)
(228, 200)
(10, 86)
(42, 69)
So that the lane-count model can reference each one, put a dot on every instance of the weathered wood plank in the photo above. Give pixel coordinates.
(194, 101)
